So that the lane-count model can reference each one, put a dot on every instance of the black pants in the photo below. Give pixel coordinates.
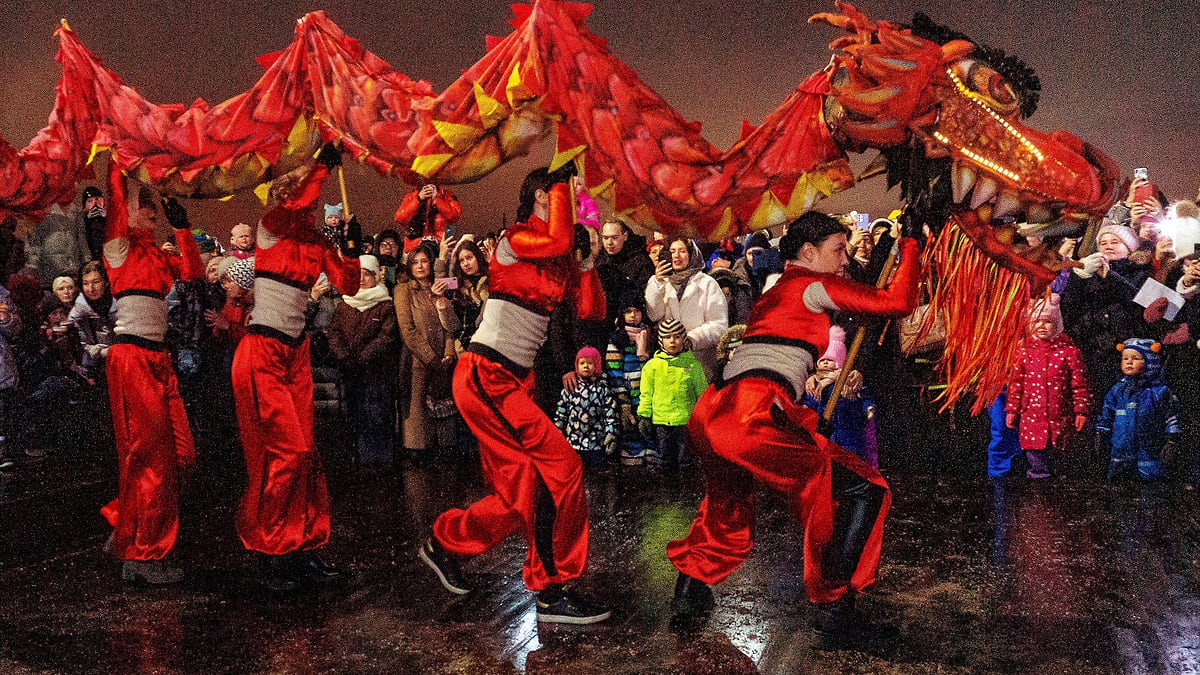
(670, 443)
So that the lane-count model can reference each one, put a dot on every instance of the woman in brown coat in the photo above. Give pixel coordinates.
(427, 326)
(362, 337)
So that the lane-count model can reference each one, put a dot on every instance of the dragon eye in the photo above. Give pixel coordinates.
(981, 79)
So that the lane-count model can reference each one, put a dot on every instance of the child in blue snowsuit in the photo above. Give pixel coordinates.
(853, 419)
(1139, 421)
(588, 417)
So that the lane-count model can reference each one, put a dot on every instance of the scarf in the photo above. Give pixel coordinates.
(679, 280)
(366, 298)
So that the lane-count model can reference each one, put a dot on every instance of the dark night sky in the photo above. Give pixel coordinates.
(1120, 75)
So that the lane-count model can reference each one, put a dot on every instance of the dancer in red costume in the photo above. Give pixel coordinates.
(535, 475)
(284, 514)
(750, 428)
(427, 213)
(154, 444)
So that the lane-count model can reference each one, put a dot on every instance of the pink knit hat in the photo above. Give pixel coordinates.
(591, 354)
(1126, 235)
(1047, 310)
(837, 346)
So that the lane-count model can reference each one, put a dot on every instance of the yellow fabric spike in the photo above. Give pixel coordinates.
(227, 198)
(802, 199)
(722, 230)
(491, 111)
(604, 190)
(564, 156)
(769, 212)
(427, 165)
(516, 90)
(263, 192)
(457, 136)
(96, 149)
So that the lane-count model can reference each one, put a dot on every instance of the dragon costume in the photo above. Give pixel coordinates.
(945, 112)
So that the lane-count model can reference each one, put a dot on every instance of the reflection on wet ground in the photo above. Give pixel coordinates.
(1064, 576)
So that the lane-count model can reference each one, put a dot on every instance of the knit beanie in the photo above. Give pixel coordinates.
(759, 239)
(1126, 235)
(369, 263)
(837, 346)
(242, 272)
(1047, 310)
(669, 328)
(1149, 350)
(333, 210)
(591, 354)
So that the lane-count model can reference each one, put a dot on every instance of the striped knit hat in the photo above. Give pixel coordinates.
(242, 273)
(672, 327)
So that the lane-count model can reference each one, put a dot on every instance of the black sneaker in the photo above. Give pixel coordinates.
(836, 623)
(308, 569)
(444, 565)
(557, 605)
(275, 574)
(693, 598)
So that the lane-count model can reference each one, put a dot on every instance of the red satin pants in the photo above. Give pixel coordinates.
(154, 448)
(286, 506)
(751, 432)
(535, 475)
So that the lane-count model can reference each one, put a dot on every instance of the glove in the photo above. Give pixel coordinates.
(824, 426)
(175, 213)
(912, 228)
(1091, 265)
(610, 445)
(330, 156)
(563, 173)
(1168, 449)
(645, 427)
(350, 239)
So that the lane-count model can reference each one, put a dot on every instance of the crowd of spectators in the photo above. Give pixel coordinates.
(392, 347)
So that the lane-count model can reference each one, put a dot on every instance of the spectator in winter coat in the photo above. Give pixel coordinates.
(628, 349)
(9, 326)
(1048, 391)
(1097, 303)
(622, 264)
(1139, 422)
(588, 416)
(94, 314)
(681, 290)
(362, 337)
(469, 266)
(672, 382)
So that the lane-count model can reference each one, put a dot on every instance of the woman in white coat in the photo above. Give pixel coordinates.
(681, 290)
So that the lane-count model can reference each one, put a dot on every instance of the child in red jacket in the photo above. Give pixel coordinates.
(1048, 395)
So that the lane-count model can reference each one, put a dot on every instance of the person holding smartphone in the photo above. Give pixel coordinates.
(681, 290)
(427, 213)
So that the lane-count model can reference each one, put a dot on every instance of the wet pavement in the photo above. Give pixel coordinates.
(1063, 576)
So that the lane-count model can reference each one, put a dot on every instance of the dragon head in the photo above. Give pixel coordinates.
(948, 115)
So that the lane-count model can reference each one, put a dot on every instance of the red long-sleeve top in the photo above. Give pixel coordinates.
(446, 210)
(789, 326)
(533, 270)
(140, 274)
(289, 256)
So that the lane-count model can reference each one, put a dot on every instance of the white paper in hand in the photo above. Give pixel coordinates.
(1152, 290)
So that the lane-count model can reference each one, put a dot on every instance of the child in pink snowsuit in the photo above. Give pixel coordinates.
(1048, 394)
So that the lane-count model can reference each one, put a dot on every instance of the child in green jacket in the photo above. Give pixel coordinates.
(672, 381)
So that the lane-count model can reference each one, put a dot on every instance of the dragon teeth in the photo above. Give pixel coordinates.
(1039, 213)
(985, 189)
(962, 178)
(1007, 204)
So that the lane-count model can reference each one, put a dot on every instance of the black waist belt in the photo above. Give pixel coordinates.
(139, 291)
(521, 372)
(139, 341)
(760, 374)
(785, 341)
(274, 276)
(276, 334)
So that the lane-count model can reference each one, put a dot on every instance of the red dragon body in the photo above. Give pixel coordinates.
(888, 87)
